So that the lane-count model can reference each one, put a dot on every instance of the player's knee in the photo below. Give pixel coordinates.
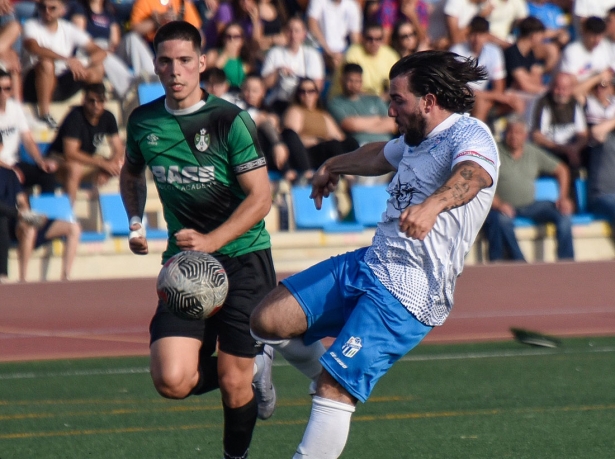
(174, 385)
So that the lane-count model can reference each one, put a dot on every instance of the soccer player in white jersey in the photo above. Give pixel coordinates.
(382, 300)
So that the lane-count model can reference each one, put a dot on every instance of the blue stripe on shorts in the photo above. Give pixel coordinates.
(342, 298)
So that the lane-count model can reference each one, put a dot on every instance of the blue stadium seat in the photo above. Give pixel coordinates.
(327, 218)
(368, 203)
(58, 207)
(149, 91)
(547, 189)
(116, 221)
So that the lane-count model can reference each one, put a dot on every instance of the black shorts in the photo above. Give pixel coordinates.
(251, 277)
(66, 87)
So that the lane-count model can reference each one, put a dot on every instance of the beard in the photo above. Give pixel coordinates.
(415, 129)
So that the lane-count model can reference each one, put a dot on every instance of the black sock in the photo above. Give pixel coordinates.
(238, 427)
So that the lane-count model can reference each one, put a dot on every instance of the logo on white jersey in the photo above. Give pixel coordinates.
(152, 139)
(351, 347)
(201, 140)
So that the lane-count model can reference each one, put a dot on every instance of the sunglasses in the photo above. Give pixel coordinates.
(5, 88)
(307, 91)
(406, 36)
(91, 100)
(43, 7)
(233, 36)
(372, 38)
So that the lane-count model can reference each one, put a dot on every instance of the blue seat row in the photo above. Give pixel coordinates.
(112, 210)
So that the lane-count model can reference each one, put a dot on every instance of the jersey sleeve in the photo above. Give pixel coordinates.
(245, 152)
(477, 145)
(394, 150)
(133, 152)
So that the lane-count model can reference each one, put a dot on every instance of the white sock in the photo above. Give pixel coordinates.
(327, 431)
(303, 358)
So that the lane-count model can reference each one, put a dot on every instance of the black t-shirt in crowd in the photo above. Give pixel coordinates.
(76, 126)
(514, 59)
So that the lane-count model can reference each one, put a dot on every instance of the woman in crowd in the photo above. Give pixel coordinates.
(233, 55)
(405, 38)
(316, 129)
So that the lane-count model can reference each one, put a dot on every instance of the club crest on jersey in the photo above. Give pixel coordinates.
(152, 139)
(201, 140)
(351, 347)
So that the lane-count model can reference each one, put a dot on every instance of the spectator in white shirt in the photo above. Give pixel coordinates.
(489, 94)
(53, 72)
(588, 58)
(284, 65)
(333, 23)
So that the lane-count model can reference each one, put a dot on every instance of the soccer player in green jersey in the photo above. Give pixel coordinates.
(212, 180)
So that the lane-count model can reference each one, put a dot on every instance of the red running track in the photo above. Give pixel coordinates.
(110, 317)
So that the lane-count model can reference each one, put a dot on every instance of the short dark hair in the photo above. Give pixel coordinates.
(351, 67)
(478, 24)
(444, 74)
(178, 30)
(372, 25)
(530, 25)
(594, 25)
(96, 88)
(213, 75)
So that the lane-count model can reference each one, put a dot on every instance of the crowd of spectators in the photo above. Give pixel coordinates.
(313, 74)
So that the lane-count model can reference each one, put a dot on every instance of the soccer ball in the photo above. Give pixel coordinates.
(193, 285)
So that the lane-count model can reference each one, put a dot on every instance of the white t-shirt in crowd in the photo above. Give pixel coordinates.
(13, 124)
(422, 274)
(337, 19)
(63, 41)
(307, 62)
(579, 61)
(587, 8)
(491, 57)
(463, 10)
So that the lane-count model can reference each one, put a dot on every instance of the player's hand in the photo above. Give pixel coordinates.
(417, 221)
(324, 183)
(49, 166)
(136, 240)
(189, 239)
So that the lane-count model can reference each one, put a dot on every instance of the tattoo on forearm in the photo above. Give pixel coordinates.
(467, 180)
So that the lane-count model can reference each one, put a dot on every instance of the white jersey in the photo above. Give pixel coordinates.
(422, 274)
(13, 124)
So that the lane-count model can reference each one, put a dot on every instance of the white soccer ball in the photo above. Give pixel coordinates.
(193, 285)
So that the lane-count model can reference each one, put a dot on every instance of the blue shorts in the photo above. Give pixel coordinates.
(342, 298)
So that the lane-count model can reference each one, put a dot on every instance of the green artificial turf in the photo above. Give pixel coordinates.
(495, 400)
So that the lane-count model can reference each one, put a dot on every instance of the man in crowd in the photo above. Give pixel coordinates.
(14, 129)
(559, 124)
(363, 116)
(53, 72)
(521, 164)
(78, 140)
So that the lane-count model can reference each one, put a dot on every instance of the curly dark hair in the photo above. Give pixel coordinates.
(444, 74)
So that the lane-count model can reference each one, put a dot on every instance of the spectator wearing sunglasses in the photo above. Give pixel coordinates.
(375, 58)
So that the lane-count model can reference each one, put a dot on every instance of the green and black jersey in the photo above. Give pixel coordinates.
(195, 156)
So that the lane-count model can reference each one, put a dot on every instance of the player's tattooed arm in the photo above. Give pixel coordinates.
(466, 180)
(133, 188)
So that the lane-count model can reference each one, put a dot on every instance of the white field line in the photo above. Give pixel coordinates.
(282, 363)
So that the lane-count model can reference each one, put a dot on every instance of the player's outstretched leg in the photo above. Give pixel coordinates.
(264, 390)
(329, 424)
